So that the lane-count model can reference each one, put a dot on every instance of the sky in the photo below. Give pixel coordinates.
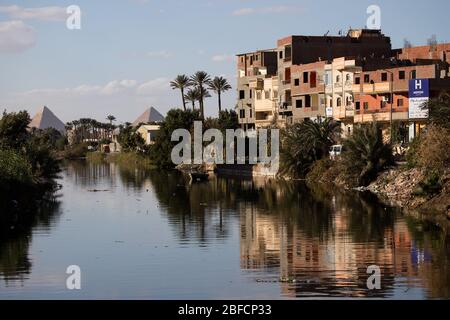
(122, 59)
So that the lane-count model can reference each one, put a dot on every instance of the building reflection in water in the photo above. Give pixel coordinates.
(326, 253)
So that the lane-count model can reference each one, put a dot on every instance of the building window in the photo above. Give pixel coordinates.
(413, 74)
(305, 77)
(366, 105)
(400, 103)
(296, 82)
(366, 78)
(338, 79)
(251, 113)
(251, 93)
(241, 94)
(357, 105)
(347, 77)
(357, 80)
(242, 113)
(267, 94)
(258, 95)
(275, 94)
(384, 77)
(401, 75)
(338, 102)
(307, 101)
(281, 54)
(299, 104)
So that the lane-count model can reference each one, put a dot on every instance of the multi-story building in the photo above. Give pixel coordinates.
(255, 72)
(339, 79)
(382, 95)
(307, 91)
(356, 78)
(295, 51)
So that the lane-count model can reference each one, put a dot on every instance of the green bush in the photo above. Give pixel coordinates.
(430, 185)
(15, 170)
(366, 154)
(76, 151)
(319, 170)
(411, 154)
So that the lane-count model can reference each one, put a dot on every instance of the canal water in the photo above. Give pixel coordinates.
(151, 235)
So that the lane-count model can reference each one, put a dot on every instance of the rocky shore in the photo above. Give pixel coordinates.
(401, 186)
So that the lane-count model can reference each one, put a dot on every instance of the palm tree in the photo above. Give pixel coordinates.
(219, 85)
(192, 95)
(304, 143)
(201, 79)
(320, 135)
(181, 82)
(365, 153)
(111, 118)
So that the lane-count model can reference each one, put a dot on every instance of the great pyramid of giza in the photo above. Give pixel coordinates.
(45, 118)
(149, 115)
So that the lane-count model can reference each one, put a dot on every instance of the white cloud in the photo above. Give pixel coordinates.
(16, 36)
(109, 89)
(42, 13)
(153, 87)
(156, 86)
(267, 10)
(223, 58)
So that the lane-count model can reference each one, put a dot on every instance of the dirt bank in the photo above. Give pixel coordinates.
(400, 187)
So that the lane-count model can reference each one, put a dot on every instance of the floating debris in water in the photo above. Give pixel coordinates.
(97, 190)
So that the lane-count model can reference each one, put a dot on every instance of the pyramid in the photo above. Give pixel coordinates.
(149, 115)
(45, 118)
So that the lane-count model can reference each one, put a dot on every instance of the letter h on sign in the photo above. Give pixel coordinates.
(418, 85)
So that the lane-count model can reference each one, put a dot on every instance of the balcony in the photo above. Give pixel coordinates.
(382, 87)
(257, 84)
(368, 88)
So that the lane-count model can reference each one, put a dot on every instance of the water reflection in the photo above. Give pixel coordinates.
(15, 240)
(301, 241)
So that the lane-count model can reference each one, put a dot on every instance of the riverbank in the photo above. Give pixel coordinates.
(406, 188)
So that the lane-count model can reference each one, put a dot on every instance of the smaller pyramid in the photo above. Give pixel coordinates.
(45, 119)
(149, 115)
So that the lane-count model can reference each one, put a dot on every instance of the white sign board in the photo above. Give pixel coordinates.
(419, 95)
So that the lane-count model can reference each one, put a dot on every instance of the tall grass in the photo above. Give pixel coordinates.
(131, 160)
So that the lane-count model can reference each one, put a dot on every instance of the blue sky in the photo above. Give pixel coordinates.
(127, 51)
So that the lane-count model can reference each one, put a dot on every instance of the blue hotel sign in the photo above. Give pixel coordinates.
(419, 94)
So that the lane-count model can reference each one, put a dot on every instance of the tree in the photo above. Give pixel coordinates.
(219, 85)
(111, 118)
(228, 119)
(201, 79)
(320, 135)
(304, 143)
(181, 82)
(365, 153)
(13, 129)
(192, 95)
(161, 150)
(131, 141)
(439, 109)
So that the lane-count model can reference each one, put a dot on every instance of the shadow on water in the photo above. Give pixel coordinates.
(19, 219)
